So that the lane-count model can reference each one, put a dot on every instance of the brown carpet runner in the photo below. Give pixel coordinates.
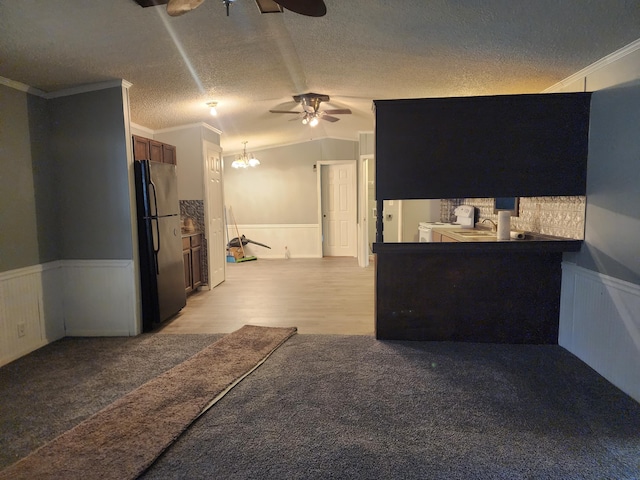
(123, 439)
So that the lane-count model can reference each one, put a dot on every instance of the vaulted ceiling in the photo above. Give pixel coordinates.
(359, 51)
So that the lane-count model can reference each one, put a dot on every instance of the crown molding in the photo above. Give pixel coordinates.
(280, 145)
(141, 127)
(603, 62)
(189, 125)
(90, 87)
(7, 82)
(65, 92)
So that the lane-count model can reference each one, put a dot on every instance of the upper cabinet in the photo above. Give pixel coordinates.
(168, 153)
(494, 146)
(148, 149)
(141, 148)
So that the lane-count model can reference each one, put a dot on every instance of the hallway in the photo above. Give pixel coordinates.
(330, 295)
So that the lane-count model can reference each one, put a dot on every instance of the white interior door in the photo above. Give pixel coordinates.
(338, 210)
(214, 214)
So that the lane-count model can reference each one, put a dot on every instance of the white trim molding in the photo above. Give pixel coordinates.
(298, 239)
(600, 324)
(177, 128)
(43, 303)
(67, 91)
(30, 310)
(594, 67)
(99, 298)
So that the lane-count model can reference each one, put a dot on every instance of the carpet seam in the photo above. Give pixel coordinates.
(217, 398)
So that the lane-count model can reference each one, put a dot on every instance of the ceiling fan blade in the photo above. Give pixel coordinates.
(175, 8)
(284, 111)
(151, 3)
(268, 6)
(329, 118)
(310, 8)
(338, 111)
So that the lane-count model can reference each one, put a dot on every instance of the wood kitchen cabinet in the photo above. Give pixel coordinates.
(440, 237)
(141, 148)
(168, 153)
(192, 255)
(148, 149)
(155, 151)
(445, 238)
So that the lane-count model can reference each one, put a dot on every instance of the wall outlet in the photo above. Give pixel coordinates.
(21, 327)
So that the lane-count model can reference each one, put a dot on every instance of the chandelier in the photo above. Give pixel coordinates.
(243, 160)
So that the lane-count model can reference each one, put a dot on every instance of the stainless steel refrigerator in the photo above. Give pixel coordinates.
(160, 242)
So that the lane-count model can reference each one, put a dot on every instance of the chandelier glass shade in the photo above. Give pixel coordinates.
(244, 161)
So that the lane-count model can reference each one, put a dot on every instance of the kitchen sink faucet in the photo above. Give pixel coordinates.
(494, 227)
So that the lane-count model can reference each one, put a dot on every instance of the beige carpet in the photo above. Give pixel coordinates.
(122, 440)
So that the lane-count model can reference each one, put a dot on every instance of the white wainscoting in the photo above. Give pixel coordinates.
(99, 298)
(302, 240)
(600, 324)
(68, 297)
(30, 311)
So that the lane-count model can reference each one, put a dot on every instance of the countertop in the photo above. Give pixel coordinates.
(483, 240)
(190, 234)
(486, 235)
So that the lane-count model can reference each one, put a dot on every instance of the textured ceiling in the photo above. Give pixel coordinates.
(250, 63)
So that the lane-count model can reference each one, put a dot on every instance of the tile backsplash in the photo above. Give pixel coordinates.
(559, 216)
(193, 209)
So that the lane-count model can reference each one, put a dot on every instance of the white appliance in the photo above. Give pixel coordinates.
(465, 216)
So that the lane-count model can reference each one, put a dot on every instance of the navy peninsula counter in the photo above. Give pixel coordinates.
(499, 292)
(476, 289)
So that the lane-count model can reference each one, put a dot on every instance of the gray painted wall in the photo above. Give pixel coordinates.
(612, 229)
(189, 155)
(45, 180)
(283, 189)
(18, 224)
(92, 192)
(188, 143)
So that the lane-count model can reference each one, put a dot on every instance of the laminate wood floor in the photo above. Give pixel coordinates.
(330, 295)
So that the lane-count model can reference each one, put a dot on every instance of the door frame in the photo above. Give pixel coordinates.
(354, 186)
(206, 145)
(363, 210)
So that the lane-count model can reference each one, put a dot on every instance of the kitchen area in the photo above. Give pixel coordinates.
(509, 173)
(170, 234)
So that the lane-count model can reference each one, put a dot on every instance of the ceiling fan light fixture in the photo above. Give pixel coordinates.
(213, 108)
(314, 121)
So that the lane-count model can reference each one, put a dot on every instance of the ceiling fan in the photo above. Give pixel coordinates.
(311, 113)
(310, 8)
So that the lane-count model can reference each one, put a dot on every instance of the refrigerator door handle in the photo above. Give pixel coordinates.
(156, 237)
(156, 248)
(155, 198)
